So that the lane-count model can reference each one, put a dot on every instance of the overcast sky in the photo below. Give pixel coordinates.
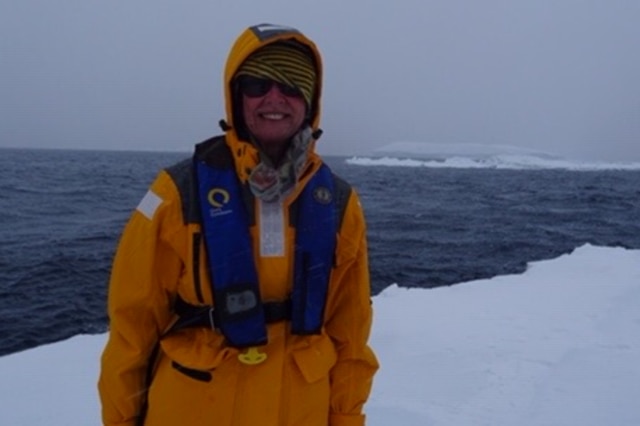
(561, 76)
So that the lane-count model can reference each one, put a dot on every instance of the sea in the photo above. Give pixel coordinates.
(431, 223)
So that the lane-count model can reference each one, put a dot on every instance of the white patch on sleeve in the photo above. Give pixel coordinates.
(149, 204)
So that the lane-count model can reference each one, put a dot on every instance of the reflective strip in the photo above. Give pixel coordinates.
(271, 27)
(271, 229)
(266, 31)
(149, 204)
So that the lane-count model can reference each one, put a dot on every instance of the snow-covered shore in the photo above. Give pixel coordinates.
(557, 345)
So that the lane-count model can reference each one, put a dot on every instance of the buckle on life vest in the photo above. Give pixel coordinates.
(205, 316)
(252, 357)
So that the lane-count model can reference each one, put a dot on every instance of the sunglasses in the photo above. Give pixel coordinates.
(254, 87)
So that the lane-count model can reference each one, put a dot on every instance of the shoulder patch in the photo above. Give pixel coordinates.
(149, 204)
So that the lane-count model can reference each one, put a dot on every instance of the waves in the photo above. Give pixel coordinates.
(53, 293)
(428, 225)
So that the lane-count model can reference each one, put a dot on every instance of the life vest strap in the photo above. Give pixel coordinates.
(226, 221)
(205, 316)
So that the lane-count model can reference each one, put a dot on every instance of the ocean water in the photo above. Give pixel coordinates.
(61, 214)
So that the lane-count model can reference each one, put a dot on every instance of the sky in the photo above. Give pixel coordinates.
(558, 76)
(557, 345)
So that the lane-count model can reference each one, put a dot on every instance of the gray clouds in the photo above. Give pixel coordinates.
(557, 76)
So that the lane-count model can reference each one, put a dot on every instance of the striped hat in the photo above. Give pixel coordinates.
(283, 63)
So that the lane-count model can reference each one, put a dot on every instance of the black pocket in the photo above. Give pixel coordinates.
(202, 376)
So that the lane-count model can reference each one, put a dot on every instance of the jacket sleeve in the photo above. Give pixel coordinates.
(349, 319)
(143, 280)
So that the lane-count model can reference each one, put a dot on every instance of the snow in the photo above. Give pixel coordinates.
(468, 155)
(557, 345)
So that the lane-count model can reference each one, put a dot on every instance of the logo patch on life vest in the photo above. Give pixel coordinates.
(322, 195)
(218, 197)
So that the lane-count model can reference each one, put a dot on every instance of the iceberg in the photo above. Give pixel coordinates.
(434, 151)
(476, 156)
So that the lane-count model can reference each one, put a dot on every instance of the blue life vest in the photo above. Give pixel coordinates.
(239, 312)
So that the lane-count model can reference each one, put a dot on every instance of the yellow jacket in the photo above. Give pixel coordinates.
(316, 380)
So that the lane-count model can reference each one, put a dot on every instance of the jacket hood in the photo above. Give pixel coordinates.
(252, 39)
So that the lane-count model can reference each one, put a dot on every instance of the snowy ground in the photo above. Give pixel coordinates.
(557, 345)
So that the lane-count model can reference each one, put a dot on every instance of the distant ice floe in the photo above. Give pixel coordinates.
(478, 156)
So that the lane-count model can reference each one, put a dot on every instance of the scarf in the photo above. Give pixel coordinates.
(270, 184)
